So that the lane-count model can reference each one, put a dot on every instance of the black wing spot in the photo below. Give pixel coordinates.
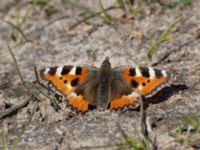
(158, 73)
(148, 80)
(134, 84)
(75, 82)
(143, 84)
(145, 72)
(61, 78)
(132, 72)
(65, 81)
(52, 71)
(78, 70)
(66, 70)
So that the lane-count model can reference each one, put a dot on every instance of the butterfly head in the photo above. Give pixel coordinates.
(106, 63)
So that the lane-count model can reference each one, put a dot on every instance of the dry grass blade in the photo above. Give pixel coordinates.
(16, 65)
(99, 147)
(20, 76)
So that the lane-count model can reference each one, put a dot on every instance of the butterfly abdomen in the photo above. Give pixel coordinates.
(104, 79)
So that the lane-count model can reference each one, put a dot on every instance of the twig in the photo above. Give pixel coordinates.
(13, 109)
(143, 118)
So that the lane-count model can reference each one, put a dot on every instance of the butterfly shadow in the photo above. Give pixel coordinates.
(164, 94)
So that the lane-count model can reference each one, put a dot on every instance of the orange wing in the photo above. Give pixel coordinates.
(136, 82)
(66, 79)
(146, 80)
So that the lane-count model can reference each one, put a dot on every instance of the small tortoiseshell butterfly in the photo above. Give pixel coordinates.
(104, 87)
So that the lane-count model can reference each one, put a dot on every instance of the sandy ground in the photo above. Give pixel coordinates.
(52, 44)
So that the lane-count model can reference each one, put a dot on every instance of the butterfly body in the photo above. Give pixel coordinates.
(104, 87)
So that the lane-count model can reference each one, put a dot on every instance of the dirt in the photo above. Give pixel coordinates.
(52, 44)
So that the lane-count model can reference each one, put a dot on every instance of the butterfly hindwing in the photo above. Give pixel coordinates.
(125, 100)
(121, 94)
(67, 79)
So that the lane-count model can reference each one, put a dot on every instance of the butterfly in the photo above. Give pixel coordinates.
(104, 87)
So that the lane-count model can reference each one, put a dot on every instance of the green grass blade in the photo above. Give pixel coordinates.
(104, 15)
(83, 20)
(153, 46)
(152, 49)
(132, 9)
(17, 29)
(185, 2)
(120, 3)
(163, 36)
(4, 136)
(24, 18)
(80, 7)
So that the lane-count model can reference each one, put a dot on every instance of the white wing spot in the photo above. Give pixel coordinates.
(73, 71)
(46, 71)
(164, 73)
(138, 73)
(152, 72)
(134, 94)
(59, 70)
(72, 94)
